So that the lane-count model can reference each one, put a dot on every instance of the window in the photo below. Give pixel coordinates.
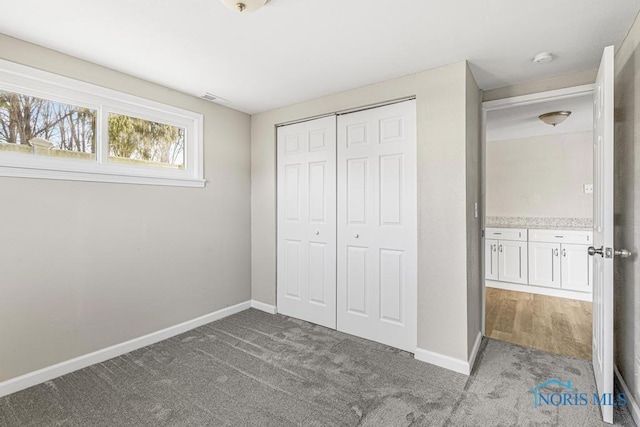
(59, 128)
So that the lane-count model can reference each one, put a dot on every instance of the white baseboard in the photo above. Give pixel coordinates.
(474, 351)
(271, 309)
(448, 362)
(632, 405)
(33, 378)
(540, 290)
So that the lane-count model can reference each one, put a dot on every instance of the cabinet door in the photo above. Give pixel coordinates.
(491, 259)
(512, 261)
(544, 264)
(576, 268)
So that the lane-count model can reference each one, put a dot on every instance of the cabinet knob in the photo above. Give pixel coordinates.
(356, 235)
(317, 232)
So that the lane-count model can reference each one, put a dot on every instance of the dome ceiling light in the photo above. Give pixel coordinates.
(555, 117)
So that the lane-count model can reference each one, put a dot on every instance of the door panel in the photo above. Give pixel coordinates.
(512, 261)
(306, 262)
(377, 224)
(603, 229)
(357, 280)
(357, 173)
(391, 285)
(544, 264)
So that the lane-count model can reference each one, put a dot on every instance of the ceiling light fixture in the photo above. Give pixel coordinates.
(245, 5)
(555, 117)
(543, 58)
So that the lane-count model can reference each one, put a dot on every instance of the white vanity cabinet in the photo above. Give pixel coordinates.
(550, 262)
(569, 265)
(506, 254)
(544, 264)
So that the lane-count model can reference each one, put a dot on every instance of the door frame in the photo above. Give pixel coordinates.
(500, 104)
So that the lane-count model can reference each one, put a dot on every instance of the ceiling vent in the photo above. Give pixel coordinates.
(213, 98)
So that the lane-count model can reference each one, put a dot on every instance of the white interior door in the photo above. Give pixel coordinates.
(306, 241)
(603, 230)
(377, 225)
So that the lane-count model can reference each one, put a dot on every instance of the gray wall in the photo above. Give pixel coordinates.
(627, 209)
(540, 176)
(441, 97)
(474, 239)
(89, 265)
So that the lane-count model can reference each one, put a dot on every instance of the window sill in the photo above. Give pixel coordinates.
(21, 172)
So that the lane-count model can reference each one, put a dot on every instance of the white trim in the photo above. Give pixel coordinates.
(268, 308)
(534, 98)
(36, 377)
(632, 405)
(447, 362)
(30, 81)
(539, 290)
(474, 351)
(69, 175)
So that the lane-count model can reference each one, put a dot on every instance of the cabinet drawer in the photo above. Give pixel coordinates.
(577, 237)
(517, 234)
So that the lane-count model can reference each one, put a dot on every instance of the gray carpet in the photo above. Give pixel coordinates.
(257, 369)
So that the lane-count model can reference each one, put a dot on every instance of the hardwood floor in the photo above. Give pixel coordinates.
(556, 325)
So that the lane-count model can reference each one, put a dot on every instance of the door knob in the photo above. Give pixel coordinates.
(592, 251)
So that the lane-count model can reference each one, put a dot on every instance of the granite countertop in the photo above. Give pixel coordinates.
(539, 223)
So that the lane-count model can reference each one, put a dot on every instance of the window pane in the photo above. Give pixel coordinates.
(35, 125)
(138, 141)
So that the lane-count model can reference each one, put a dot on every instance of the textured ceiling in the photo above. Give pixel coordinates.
(295, 50)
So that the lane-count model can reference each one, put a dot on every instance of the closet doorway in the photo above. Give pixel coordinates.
(347, 223)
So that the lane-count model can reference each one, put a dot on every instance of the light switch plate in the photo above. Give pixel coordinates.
(588, 188)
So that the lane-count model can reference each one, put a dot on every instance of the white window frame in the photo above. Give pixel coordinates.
(30, 81)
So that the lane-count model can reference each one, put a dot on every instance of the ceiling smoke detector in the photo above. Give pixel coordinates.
(245, 5)
(543, 58)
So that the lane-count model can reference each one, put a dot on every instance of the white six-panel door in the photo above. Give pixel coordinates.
(306, 235)
(377, 225)
(603, 170)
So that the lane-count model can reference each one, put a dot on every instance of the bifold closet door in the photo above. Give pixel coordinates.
(377, 225)
(306, 235)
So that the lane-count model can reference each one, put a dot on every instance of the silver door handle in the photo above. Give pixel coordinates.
(564, 253)
(556, 252)
(622, 253)
(356, 235)
(500, 248)
(592, 251)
